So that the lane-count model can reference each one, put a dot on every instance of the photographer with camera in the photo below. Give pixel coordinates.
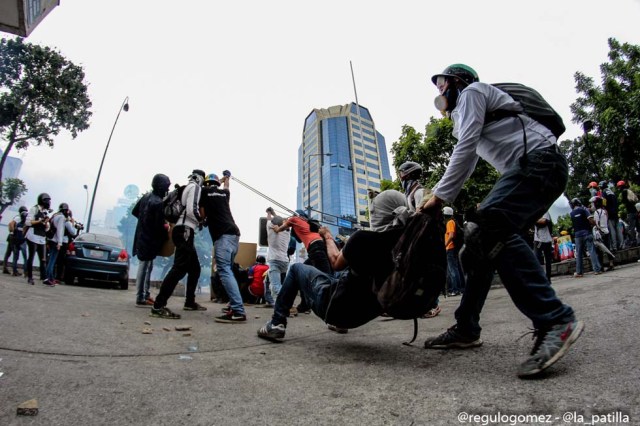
(38, 223)
(61, 228)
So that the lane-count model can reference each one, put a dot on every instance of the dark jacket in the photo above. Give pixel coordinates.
(150, 230)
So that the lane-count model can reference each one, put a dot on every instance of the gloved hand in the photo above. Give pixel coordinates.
(226, 173)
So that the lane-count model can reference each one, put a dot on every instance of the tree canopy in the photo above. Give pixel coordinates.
(41, 93)
(611, 151)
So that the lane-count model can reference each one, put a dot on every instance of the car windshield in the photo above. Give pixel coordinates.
(100, 239)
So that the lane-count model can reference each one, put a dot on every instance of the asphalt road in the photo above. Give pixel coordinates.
(81, 353)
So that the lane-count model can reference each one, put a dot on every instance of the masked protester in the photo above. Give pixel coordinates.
(38, 223)
(533, 175)
(16, 240)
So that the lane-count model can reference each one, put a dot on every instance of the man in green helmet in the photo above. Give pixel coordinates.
(533, 175)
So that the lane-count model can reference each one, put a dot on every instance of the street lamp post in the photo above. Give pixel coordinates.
(328, 154)
(86, 203)
(125, 107)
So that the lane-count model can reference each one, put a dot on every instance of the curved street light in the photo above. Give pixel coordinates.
(86, 203)
(123, 107)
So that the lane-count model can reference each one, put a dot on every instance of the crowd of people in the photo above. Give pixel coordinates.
(40, 231)
(605, 224)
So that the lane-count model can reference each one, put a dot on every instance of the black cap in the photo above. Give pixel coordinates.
(198, 172)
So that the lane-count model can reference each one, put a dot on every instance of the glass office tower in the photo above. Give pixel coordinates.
(341, 157)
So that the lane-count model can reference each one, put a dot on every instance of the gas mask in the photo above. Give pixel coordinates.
(46, 203)
(407, 184)
(448, 98)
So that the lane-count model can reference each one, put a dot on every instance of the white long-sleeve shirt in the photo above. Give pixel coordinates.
(500, 142)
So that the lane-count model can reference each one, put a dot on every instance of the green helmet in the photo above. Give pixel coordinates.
(461, 71)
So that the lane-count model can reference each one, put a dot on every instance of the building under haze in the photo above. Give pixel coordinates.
(341, 157)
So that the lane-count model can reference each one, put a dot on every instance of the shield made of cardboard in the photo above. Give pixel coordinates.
(168, 247)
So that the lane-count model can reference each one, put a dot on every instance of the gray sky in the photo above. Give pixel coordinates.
(227, 85)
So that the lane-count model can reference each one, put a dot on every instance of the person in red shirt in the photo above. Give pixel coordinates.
(307, 234)
(256, 278)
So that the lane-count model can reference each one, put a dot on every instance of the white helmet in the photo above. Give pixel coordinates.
(447, 211)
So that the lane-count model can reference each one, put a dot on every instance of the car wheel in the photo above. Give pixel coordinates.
(124, 284)
(69, 279)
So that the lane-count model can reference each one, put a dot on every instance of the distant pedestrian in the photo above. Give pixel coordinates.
(629, 199)
(583, 238)
(185, 258)
(17, 228)
(277, 255)
(58, 222)
(543, 242)
(611, 206)
(151, 233)
(455, 275)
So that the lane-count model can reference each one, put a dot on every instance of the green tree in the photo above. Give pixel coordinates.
(41, 93)
(613, 149)
(12, 191)
(433, 151)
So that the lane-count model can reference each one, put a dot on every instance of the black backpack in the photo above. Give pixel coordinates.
(533, 105)
(172, 206)
(420, 270)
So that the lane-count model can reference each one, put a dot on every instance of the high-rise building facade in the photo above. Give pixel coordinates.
(341, 157)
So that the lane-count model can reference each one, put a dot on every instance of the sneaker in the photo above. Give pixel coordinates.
(48, 283)
(194, 307)
(337, 329)
(231, 318)
(275, 333)
(6, 271)
(151, 300)
(550, 346)
(144, 304)
(433, 312)
(163, 313)
(452, 338)
(303, 309)
(17, 274)
(597, 273)
(577, 275)
(30, 281)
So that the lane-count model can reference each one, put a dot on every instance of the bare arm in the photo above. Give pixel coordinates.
(337, 260)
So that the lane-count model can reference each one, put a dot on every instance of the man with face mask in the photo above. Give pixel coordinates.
(58, 221)
(38, 223)
(16, 239)
(410, 173)
(151, 233)
(533, 175)
(186, 258)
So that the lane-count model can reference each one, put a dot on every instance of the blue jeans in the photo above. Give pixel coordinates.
(455, 275)
(17, 249)
(277, 269)
(517, 200)
(51, 264)
(225, 250)
(313, 284)
(143, 280)
(581, 241)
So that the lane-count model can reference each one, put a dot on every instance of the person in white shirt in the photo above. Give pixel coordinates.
(277, 257)
(543, 242)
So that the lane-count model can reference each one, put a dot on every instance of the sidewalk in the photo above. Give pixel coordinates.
(81, 353)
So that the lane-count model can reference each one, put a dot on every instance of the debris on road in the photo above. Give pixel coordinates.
(166, 328)
(147, 323)
(183, 327)
(28, 408)
(147, 330)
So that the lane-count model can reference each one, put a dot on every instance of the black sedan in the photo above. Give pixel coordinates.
(99, 257)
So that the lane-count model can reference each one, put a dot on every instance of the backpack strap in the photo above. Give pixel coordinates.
(415, 333)
(498, 115)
